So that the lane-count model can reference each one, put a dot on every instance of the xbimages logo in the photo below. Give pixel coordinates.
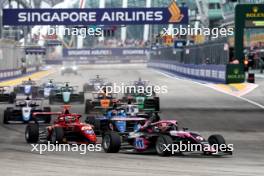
(205, 147)
(80, 148)
(194, 31)
(149, 90)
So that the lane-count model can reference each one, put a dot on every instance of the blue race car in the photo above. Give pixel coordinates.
(27, 88)
(116, 119)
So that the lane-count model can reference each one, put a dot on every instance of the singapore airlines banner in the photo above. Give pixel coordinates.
(96, 16)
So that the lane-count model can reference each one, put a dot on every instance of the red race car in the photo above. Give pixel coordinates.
(66, 128)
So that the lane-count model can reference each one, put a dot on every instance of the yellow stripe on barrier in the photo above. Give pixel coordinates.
(34, 76)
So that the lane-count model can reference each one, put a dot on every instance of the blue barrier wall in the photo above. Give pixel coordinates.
(15, 73)
(213, 73)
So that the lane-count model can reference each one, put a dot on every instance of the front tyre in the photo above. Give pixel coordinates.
(111, 142)
(57, 135)
(88, 106)
(217, 139)
(6, 117)
(32, 133)
(162, 141)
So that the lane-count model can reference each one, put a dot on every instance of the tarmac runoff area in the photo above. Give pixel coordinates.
(196, 106)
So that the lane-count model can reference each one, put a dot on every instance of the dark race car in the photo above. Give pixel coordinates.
(100, 102)
(66, 128)
(69, 67)
(141, 93)
(47, 88)
(27, 88)
(23, 109)
(66, 94)
(95, 84)
(6, 95)
(164, 137)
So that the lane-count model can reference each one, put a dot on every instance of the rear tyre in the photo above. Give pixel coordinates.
(81, 94)
(57, 135)
(48, 117)
(6, 116)
(88, 106)
(12, 97)
(216, 140)
(32, 133)
(157, 103)
(111, 142)
(162, 141)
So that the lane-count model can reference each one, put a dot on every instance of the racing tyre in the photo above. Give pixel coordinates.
(32, 133)
(111, 142)
(57, 135)
(152, 104)
(48, 117)
(160, 148)
(6, 116)
(88, 106)
(216, 140)
(157, 103)
(81, 94)
(12, 97)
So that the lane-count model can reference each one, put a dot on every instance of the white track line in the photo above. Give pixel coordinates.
(192, 81)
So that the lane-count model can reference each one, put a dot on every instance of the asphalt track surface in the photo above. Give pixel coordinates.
(195, 106)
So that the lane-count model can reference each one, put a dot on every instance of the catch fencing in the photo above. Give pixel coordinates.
(208, 62)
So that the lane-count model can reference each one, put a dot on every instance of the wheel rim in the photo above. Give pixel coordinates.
(160, 145)
(106, 141)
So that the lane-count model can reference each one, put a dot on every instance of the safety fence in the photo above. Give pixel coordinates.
(214, 73)
(215, 52)
(15, 61)
(208, 62)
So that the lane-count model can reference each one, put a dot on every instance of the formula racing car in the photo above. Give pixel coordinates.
(27, 88)
(47, 88)
(66, 94)
(95, 84)
(164, 137)
(66, 128)
(6, 95)
(23, 110)
(69, 67)
(141, 93)
(100, 102)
